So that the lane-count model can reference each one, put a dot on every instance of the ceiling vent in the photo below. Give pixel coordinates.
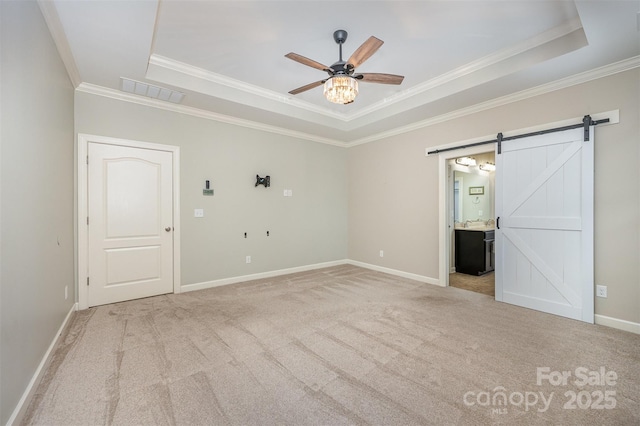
(150, 91)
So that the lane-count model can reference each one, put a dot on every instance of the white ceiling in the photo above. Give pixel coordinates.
(228, 56)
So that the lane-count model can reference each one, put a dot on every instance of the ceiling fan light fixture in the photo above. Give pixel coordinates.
(341, 89)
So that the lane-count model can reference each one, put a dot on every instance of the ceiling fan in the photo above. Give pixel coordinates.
(342, 85)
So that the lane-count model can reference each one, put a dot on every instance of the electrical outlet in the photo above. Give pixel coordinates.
(198, 213)
(601, 291)
(381, 253)
(248, 259)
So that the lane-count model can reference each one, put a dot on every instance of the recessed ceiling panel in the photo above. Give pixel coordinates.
(247, 41)
(228, 57)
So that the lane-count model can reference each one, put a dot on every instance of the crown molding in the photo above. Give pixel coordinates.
(196, 112)
(487, 61)
(601, 72)
(584, 77)
(52, 19)
(216, 82)
(222, 80)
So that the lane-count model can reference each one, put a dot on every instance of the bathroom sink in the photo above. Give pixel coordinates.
(475, 226)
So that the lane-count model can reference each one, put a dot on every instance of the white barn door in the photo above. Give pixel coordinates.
(130, 223)
(544, 244)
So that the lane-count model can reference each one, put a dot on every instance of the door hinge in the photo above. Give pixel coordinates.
(87, 159)
(87, 280)
(87, 220)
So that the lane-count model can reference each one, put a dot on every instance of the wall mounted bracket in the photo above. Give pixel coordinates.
(266, 181)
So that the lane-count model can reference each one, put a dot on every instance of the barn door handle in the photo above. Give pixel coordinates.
(498, 222)
(168, 229)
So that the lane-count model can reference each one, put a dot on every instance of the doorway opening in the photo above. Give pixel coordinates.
(472, 256)
(470, 223)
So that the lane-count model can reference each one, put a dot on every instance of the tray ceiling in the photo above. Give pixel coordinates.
(227, 57)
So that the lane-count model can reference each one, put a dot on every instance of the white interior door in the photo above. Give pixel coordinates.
(544, 244)
(130, 217)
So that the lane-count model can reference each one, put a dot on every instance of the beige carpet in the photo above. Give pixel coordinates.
(484, 284)
(336, 346)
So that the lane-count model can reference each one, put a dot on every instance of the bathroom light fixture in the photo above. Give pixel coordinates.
(341, 89)
(466, 161)
(488, 167)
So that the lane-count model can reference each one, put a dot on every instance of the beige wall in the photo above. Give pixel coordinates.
(306, 229)
(393, 187)
(36, 197)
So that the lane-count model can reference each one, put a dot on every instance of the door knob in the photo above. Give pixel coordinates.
(168, 229)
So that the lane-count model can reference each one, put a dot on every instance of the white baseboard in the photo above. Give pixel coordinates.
(411, 276)
(19, 412)
(270, 274)
(259, 276)
(624, 325)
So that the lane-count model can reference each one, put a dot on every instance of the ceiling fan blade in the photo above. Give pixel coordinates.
(307, 87)
(365, 51)
(380, 78)
(308, 62)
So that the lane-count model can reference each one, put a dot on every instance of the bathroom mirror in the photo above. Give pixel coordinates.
(473, 197)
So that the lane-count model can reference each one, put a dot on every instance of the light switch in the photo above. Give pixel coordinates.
(198, 213)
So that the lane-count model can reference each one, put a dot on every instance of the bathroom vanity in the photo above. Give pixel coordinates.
(474, 250)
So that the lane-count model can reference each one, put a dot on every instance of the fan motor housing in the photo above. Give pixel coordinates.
(341, 68)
